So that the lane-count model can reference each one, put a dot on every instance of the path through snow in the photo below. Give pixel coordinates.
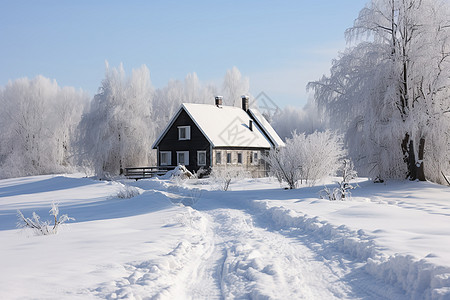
(236, 251)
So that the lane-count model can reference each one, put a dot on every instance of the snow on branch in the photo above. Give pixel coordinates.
(306, 158)
(342, 191)
(43, 227)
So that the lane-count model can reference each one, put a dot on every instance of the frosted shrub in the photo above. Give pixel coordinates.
(306, 158)
(128, 191)
(344, 186)
(222, 177)
(43, 227)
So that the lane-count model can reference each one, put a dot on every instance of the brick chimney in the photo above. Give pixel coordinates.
(245, 103)
(218, 101)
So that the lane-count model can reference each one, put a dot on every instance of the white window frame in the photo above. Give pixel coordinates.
(187, 133)
(231, 158)
(198, 158)
(186, 158)
(219, 154)
(255, 159)
(237, 158)
(169, 156)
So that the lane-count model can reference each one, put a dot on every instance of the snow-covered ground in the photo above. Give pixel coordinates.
(188, 240)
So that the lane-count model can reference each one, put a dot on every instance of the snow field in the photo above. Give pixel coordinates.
(163, 239)
(166, 276)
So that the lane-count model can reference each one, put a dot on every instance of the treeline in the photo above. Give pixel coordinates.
(388, 94)
(47, 129)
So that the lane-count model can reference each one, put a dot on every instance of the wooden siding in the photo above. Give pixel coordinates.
(197, 142)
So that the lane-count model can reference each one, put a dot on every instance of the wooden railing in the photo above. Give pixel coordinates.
(446, 178)
(146, 172)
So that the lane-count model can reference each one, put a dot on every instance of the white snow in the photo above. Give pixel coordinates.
(185, 240)
(278, 142)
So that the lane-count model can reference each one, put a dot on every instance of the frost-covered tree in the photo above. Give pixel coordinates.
(390, 92)
(118, 130)
(306, 158)
(38, 120)
(234, 86)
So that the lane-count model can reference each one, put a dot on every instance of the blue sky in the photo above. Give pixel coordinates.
(278, 45)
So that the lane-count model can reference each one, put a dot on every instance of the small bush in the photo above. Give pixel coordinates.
(223, 176)
(128, 191)
(43, 228)
(343, 190)
(306, 158)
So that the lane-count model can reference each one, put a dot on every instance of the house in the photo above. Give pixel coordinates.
(205, 136)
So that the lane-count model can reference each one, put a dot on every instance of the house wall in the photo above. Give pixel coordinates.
(256, 169)
(197, 142)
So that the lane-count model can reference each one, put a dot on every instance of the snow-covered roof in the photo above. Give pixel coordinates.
(262, 122)
(228, 126)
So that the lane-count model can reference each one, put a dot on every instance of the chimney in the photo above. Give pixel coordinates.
(218, 100)
(245, 104)
(250, 125)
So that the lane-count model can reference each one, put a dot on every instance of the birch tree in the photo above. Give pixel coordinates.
(390, 91)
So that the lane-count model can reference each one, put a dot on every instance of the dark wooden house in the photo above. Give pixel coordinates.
(205, 136)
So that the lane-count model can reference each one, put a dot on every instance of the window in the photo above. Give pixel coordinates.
(201, 158)
(184, 133)
(254, 157)
(239, 158)
(165, 158)
(228, 157)
(183, 158)
(218, 158)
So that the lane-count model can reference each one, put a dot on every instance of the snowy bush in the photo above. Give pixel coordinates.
(344, 186)
(222, 177)
(306, 158)
(43, 227)
(128, 191)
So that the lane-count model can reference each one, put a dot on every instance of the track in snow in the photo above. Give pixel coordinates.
(260, 262)
(234, 251)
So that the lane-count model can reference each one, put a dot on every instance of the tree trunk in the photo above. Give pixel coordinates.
(419, 164)
(415, 166)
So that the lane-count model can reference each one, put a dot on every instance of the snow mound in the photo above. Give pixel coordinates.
(180, 171)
